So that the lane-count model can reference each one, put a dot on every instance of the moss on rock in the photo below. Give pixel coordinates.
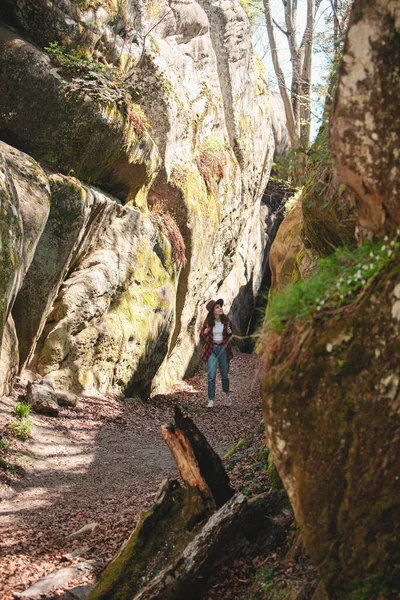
(159, 538)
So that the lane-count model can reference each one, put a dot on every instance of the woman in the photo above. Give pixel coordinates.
(217, 329)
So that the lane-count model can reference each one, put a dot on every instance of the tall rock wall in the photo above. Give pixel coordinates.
(161, 107)
(331, 389)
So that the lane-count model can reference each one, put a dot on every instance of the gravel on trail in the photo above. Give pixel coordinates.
(103, 462)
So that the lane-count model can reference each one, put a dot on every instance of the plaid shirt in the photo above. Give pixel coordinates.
(208, 346)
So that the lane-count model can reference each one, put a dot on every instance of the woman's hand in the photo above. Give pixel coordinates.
(229, 330)
(206, 331)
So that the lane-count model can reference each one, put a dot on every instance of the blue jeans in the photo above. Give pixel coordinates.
(218, 357)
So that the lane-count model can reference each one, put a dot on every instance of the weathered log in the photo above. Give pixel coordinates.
(182, 538)
(159, 538)
(239, 524)
(199, 465)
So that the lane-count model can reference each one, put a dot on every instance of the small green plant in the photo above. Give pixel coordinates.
(291, 202)
(5, 443)
(21, 428)
(22, 409)
(338, 279)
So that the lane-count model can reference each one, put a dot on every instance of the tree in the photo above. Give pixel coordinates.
(298, 106)
(297, 100)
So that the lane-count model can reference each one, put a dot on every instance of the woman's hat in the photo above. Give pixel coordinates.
(210, 305)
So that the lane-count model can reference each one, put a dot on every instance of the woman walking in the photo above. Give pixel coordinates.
(217, 329)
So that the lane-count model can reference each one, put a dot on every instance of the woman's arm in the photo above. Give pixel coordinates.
(205, 330)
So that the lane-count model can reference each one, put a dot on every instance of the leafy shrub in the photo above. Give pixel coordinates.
(22, 409)
(5, 443)
(21, 428)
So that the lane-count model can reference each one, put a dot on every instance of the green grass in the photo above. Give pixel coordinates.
(21, 410)
(338, 279)
(21, 428)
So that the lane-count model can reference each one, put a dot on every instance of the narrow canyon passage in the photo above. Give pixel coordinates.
(103, 462)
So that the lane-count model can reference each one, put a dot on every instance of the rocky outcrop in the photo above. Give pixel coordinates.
(116, 288)
(331, 386)
(336, 441)
(366, 124)
(66, 126)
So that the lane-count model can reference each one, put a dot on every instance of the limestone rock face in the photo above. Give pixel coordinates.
(8, 357)
(287, 250)
(76, 217)
(68, 129)
(365, 130)
(11, 232)
(115, 293)
(109, 327)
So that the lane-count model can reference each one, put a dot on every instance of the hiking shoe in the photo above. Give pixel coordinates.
(210, 404)
(228, 401)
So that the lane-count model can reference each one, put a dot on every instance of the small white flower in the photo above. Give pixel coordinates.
(390, 253)
(385, 239)
(363, 282)
(318, 308)
(341, 296)
(383, 247)
(322, 302)
(392, 243)
(371, 266)
(371, 254)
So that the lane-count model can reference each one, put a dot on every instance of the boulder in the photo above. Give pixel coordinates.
(42, 397)
(66, 399)
(336, 442)
(58, 579)
(76, 217)
(109, 326)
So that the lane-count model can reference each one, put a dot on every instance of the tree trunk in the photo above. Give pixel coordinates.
(199, 465)
(307, 44)
(290, 120)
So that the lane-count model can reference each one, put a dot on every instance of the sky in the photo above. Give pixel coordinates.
(319, 60)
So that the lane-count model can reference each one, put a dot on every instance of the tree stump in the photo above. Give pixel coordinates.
(199, 465)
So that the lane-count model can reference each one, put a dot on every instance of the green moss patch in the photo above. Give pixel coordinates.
(338, 281)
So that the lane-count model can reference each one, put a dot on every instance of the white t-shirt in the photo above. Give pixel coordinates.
(217, 331)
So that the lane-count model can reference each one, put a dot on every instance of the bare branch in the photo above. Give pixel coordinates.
(279, 27)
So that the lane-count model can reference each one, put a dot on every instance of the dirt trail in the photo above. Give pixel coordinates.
(103, 462)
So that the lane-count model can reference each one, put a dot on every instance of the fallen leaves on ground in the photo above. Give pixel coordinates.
(103, 462)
